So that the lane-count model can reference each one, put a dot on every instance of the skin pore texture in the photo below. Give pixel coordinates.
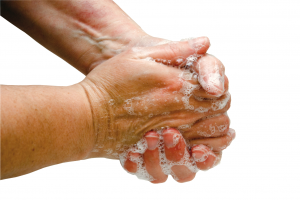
(138, 88)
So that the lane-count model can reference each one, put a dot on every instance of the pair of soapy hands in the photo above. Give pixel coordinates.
(146, 90)
(145, 83)
(151, 90)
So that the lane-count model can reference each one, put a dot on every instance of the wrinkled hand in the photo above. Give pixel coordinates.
(131, 94)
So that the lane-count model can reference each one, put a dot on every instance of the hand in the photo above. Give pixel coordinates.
(165, 152)
(130, 94)
(57, 27)
(83, 33)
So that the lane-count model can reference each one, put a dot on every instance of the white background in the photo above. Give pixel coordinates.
(258, 42)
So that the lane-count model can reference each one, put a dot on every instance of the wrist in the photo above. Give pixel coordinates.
(97, 99)
(68, 29)
(83, 139)
(44, 126)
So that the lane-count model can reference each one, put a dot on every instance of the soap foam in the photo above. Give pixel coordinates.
(140, 148)
(205, 154)
(187, 90)
(165, 164)
(220, 104)
(128, 107)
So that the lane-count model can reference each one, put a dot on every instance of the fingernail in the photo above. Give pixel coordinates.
(199, 156)
(152, 141)
(198, 43)
(171, 139)
(215, 84)
(200, 153)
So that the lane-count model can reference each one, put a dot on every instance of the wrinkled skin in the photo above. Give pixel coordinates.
(151, 85)
(86, 35)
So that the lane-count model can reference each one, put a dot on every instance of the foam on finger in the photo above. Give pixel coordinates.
(140, 148)
(165, 164)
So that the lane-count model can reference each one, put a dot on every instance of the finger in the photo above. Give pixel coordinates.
(208, 105)
(205, 159)
(152, 158)
(182, 173)
(172, 53)
(174, 144)
(202, 93)
(186, 118)
(175, 149)
(211, 74)
(130, 163)
(211, 127)
(216, 144)
(181, 101)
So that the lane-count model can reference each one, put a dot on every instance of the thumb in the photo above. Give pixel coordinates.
(211, 74)
(210, 69)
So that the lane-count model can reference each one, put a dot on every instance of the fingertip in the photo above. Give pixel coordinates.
(212, 85)
(200, 152)
(208, 163)
(130, 164)
(162, 180)
(174, 144)
(200, 44)
(171, 137)
(187, 179)
(182, 173)
(211, 75)
(152, 139)
(170, 130)
(204, 157)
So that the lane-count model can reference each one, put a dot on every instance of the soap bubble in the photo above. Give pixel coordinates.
(166, 165)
